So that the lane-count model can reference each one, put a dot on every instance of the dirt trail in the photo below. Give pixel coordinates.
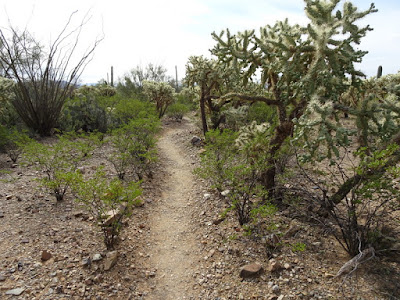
(173, 247)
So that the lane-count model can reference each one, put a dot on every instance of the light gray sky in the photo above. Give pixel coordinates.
(138, 32)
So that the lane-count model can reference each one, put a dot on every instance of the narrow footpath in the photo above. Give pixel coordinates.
(173, 250)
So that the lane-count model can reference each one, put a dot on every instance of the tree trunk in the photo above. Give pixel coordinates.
(283, 131)
(203, 114)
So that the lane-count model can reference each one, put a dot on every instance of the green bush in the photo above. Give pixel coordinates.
(84, 112)
(236, 168)
(261, 113)
(127, 109)
(134, 147)
(218, 157)
(59, 161)
(14, 143)
(108, 201)
(177, 111)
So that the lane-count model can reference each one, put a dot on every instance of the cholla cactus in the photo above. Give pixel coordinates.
(298, 64)
(249, 133)
(161, 93)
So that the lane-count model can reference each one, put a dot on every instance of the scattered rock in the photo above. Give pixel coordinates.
(196, 141)
(9, 197)
(293, 229)
(46, 255)
(86, 262)
(286, 266)
(24, 241)
(15, 292)
(276, 289)
(1, 214)
(251, 270)
(274, 265)
(97, 257)
(110, 260)
(2, 277)
(225, 193)
(218, 221)
(112, 216)
(78, 214)
(207, 196)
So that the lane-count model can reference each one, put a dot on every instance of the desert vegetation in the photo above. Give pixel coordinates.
(288, 124)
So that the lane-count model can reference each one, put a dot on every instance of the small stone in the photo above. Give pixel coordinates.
(274, 265)
(251, 270)
(15, 292)
(276, 289)
(2, 277)
(78, 214)
(286, 266)
(225, 193)
(24, 241)
(86, 262)
(46, 255)
(110, 260)
(9, 197)
(218, 221)
(97, 257)
(1, 214)
(207, 196)
(196, 141)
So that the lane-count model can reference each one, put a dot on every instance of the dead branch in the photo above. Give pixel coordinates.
(352, 265)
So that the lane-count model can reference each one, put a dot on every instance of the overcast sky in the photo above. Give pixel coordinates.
(138, 32)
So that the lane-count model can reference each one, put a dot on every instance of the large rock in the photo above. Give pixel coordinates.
(110, 260)
(251, 270)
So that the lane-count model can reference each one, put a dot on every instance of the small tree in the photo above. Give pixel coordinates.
(161, 93)
(44, 78)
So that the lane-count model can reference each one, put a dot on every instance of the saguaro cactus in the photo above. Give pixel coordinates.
(379, 74)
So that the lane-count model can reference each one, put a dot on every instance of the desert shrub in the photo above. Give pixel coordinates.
(3, 137)
(127, 109)
(360, 219)
(188, 97)
(218, 157)
(134, 147)
(84, 113)
(260, 112)
(108, 201)
(89, 109)
(59, 161)
(177, 111)
(14, 143)
(234, 165)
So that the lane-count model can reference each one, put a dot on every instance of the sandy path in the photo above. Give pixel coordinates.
(173, 248)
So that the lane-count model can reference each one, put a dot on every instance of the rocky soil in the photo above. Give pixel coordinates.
(175, 246)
